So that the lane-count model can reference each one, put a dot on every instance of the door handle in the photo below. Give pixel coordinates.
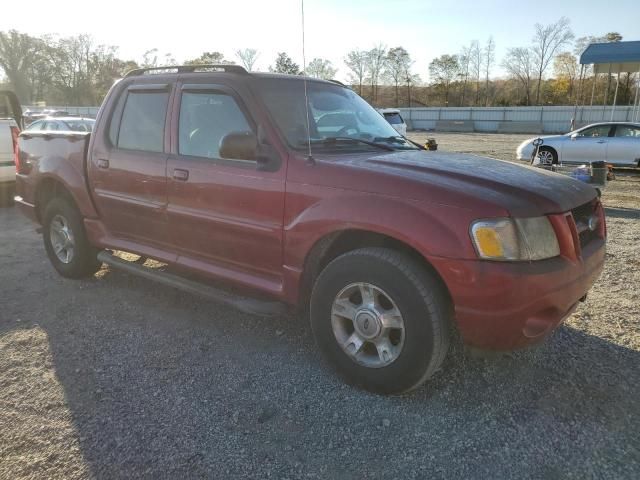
(103, 163)
(601, 141)
(180, 174)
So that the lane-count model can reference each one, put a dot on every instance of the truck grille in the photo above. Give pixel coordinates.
(582, 215)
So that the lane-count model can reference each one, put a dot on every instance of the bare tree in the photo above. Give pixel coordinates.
(248, 57)
(356, 62)
(321, 68)
(398, 62)
(547, 40)
(152, 58)
(443, 71)
(410, 79)
(475, 66)
(464, 59)
(489, 53)
(519, 62)
(376, 58)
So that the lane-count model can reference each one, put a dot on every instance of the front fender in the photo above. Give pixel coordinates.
(431, 229)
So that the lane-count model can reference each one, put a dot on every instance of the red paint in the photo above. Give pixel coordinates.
(255, 229)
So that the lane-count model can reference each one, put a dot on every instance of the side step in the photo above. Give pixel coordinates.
(253, 306)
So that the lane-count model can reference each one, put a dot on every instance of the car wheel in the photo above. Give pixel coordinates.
(381, 320)
(547, 156)
(66, 242)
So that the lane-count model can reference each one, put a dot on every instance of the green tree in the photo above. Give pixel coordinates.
(18, 51)
(209, 58)
(284, 64)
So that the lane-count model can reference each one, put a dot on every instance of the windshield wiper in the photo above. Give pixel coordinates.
(335, 140)
(398, 139)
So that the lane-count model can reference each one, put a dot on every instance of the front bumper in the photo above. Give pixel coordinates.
(505, 306)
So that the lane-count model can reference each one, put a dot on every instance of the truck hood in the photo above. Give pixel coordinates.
(519, 189)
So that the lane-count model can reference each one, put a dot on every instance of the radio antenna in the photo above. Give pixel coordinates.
(310, 158)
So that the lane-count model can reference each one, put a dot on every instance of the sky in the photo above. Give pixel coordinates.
(425, 28)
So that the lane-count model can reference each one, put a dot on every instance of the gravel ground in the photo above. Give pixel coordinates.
(117, 377)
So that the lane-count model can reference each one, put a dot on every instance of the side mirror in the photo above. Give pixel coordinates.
(574, 135)
(239, 146)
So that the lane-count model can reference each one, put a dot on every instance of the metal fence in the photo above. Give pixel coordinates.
(479, 119)
(527, 119)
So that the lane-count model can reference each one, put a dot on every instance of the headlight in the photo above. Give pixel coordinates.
(515, 239)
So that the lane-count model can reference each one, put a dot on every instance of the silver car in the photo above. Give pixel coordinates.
(617, 143)
(71, 124)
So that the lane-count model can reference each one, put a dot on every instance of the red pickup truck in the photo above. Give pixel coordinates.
(296, 192)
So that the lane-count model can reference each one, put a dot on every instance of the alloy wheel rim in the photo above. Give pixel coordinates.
(545, 157)
(62, 239)
(367, 325)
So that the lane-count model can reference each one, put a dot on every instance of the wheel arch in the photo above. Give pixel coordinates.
(47, 189)
(334, 244)
(554, 151)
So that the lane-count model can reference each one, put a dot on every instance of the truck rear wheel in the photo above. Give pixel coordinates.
(66, 242)
(381, 320)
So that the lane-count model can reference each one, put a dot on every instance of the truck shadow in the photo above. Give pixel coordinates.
(163, 384)
(622, 212)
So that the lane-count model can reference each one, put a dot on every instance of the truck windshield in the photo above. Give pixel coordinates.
(336, 115)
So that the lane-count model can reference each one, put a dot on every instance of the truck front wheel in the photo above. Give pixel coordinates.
(66, 242)
(381, 319)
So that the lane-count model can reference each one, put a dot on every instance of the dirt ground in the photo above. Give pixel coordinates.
(115, 377)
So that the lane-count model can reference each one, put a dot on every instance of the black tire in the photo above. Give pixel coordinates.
(421, 299)
(553, 153)
(83, 262)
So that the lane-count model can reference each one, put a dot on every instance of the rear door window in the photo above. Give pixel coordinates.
(143, 119)
(627, 131)
(205, 119)
(394, 118)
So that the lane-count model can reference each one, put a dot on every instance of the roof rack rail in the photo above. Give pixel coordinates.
(231, 68)
(337, 82)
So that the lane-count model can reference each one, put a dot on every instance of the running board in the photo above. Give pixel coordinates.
(253, 306)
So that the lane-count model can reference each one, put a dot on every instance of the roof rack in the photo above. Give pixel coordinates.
(186, 69)
(337, 82)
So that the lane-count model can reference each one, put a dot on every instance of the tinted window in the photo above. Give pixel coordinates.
(79, 126)
(142, 125)
(394, 118)
(36, 125)
(599, 131)
(205, 118)
(627, 131)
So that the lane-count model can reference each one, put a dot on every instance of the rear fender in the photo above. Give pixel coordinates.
(71, 177)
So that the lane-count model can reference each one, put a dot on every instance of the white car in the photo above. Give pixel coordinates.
(10, 123)
(617, 143)
(392, 115)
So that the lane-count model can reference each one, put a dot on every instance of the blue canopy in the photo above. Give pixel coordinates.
(614, 57)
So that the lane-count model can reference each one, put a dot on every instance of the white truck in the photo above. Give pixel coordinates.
(10, 126)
